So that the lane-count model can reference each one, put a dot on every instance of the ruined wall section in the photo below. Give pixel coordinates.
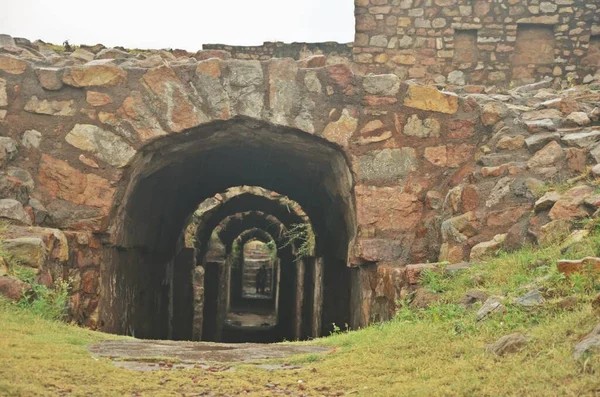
(278, 49)
(478, 41)
(436, 174)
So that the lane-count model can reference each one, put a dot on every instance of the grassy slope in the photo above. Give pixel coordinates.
(438, 351)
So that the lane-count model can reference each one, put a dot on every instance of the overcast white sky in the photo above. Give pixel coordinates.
(183, 24)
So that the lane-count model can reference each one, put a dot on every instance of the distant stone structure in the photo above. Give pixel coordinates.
(478, 41)
(297, 51)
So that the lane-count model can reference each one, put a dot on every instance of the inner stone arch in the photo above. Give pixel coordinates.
(224, 304)
(168, 178)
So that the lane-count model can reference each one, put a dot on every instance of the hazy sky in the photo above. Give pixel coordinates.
(183, 24)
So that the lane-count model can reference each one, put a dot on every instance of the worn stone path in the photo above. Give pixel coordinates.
(144, 355)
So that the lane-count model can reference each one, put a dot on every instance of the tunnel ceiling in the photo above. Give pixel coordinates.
(171, 176)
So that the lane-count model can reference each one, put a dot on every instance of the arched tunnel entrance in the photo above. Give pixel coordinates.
(155, 285)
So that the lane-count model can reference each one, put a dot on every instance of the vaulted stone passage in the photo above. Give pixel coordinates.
(152, 279)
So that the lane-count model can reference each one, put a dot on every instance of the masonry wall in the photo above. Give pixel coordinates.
(477, 41)
(278, 49)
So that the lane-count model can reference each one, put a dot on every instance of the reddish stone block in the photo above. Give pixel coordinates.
(507, 216)
(387, 208)
(568, 267)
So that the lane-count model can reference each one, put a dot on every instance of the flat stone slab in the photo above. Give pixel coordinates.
(200, 351)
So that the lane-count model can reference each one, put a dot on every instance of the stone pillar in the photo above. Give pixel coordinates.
(182, 294)
(275, 284)
(299, 299)
(317, 298)
(224, 298)
(198, 304)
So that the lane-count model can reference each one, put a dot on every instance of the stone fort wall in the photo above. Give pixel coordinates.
(478, 41)
(279, 49)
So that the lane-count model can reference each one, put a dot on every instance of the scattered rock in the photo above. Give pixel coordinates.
(530, 299)
(470, 298)
(508, 344)
(568, 304)
(590, 344)
(491, 306)
(568, 267)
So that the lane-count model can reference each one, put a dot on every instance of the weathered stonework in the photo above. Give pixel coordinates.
(477, 41)
(400, 171)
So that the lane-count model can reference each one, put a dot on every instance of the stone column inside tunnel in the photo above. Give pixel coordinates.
(298, 298)
(198, 310)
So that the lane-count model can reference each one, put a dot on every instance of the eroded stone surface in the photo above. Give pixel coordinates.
(107, 146)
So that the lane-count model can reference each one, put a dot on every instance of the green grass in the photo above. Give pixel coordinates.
(438, 351)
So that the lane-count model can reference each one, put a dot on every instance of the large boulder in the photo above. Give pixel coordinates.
(493, 305)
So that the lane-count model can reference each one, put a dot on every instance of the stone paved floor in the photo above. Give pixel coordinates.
(142, 354)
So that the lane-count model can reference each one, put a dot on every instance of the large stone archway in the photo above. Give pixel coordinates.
(167, 180)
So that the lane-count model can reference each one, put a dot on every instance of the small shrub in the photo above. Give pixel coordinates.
(434, 281)
(48, 303)
(301, 236)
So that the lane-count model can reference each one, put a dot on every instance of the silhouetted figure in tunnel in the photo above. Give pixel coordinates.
(261, 280)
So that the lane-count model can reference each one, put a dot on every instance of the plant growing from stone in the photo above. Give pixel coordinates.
(300, 236)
